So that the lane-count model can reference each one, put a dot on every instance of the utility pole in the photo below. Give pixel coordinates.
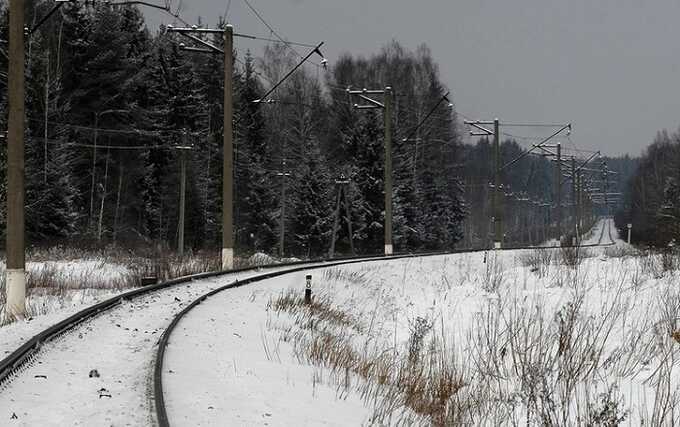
(388, 171)
(386, 106)
(573, 201)
(282, 227)
(228, 154)
(341, 198)
(497, 203)
(227, 133)
(182, 192)
(579, 196)
(228, 144)
(558, 189)
(47, 107)
(182, 201)
(496, 210)
(15, 276)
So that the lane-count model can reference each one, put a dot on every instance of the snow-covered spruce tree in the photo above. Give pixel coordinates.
(102, 53)
(311, 212)
(311, 218)
(365, 142)
(183, 123)
(668, 215)
(645, 194)
(255, 197)
(51, 192)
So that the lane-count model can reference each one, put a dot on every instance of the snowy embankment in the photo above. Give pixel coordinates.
(556, 336)
(58, 290)
(59, 387)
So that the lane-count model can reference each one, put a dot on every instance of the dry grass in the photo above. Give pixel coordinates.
(60, 276)
(538, 261)
(421, 378)
(526, 359)
(494, 272)
(319, 310)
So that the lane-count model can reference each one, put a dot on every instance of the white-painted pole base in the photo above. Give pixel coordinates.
(227, 258)
(388, 250)
(15, 280)
(496, 245)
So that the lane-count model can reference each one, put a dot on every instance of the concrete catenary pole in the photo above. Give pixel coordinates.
(15, 279)
(496, 200)
(388, 171)
(579, 196)
(282, 220)
(182, 200)
(558, 191)
(228, 155)
(574, 206)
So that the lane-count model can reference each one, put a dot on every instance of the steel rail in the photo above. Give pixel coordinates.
(159, 400)
(19, 356)
(32, 346)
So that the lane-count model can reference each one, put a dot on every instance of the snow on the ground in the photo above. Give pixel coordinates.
(120, 344)
(13, 335)
(237, 383)
(72, 286)
(233, 360)
(251, 373)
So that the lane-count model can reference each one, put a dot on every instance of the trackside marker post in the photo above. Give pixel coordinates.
(308, 289)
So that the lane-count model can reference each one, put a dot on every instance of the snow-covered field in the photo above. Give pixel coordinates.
(494, 338)
(552, 336)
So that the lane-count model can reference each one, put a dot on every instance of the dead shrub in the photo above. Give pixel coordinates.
(538, 261)
(493, 273)
(572, 256)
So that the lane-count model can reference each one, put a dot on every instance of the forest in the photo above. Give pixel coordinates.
(109, 104)
(652, 194)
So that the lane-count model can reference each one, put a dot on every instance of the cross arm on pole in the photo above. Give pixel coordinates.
(366, 92)
(211, 47)
(193, 30)
(521, 156)
(582, 165)
(196, 49)
(372, 101)
(478, 125)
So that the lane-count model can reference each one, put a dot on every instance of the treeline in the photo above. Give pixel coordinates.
(108, 103)
(652, 195)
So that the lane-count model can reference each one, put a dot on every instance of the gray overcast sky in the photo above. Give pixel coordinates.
(611, 67)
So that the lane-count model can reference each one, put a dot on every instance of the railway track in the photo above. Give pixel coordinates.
(66, 338)
(63, 354)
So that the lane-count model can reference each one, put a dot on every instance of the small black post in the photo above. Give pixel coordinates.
(308, 290)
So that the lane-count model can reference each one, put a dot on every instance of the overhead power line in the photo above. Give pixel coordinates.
(278, 36)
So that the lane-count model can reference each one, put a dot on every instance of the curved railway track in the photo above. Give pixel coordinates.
(30, 352)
